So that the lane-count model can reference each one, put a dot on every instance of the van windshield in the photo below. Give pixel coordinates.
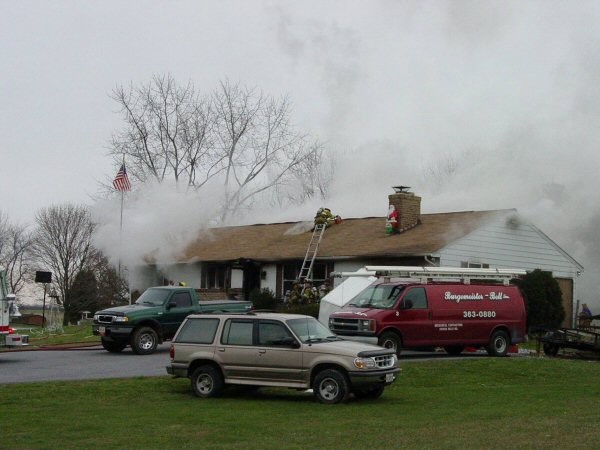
(381, 296)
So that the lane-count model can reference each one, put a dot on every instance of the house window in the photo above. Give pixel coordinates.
(214, 276)
(291, 271)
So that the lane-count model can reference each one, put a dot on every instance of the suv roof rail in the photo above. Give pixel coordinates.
(426, 274)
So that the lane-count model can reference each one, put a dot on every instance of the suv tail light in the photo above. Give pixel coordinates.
(172, 352)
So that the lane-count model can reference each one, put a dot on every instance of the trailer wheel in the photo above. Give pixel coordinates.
(551, 349)
(144, 341)
(392, 340)
(499, 343)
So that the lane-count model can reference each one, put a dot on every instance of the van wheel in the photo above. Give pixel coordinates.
(499, 343)
(551, 349)
(144, 341)
(454, 350)
(370, 393)
(389, 339)
(330, 386)
(207, 382)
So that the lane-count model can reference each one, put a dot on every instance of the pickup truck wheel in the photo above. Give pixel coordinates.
(112, 346)
(454, 350)
(389, 339)
(551, 349)
(370, 393)
(207, 382)
(330, 386)
(144, 341)
(499, 343)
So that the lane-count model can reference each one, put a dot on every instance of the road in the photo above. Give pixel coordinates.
(90, 363)
(80, 364)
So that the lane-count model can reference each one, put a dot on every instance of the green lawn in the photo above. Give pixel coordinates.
(515, 402)
(72, 334)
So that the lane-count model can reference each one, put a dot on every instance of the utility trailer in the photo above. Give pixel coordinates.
(573, 338)
(8, 337)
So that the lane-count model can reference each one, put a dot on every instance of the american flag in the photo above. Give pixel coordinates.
(121, 181)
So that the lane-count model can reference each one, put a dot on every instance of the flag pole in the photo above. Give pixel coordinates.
(121, 232)
(121, 183)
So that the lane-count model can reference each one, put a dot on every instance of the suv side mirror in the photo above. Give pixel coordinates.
(171, 305)
(288, 342)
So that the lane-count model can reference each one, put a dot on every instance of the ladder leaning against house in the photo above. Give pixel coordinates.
(311, 254)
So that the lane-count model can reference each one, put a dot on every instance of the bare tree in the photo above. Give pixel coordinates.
(236, 136)
(15, 246)
(62, 244)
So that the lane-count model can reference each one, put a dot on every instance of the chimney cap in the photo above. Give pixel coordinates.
(400, 189)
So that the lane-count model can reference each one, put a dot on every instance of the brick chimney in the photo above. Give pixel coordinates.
(408, 206)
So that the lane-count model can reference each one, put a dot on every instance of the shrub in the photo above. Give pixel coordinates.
(263, 299)
(311, 309)
(543, 300)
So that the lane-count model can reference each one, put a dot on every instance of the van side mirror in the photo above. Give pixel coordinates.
(406, 304)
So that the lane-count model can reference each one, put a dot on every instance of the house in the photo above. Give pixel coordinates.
(237, 259)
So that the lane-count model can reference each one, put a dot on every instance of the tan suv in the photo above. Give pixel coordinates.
(281, 350)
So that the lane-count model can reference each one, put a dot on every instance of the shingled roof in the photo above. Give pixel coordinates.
(353, 238)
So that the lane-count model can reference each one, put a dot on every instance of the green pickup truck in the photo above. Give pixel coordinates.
(154, 318)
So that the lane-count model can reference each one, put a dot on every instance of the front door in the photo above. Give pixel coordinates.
(177, 308)
(277, 360)
(414, 317)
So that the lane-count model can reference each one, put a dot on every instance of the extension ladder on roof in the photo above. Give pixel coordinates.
(311, 253)
(424, 274)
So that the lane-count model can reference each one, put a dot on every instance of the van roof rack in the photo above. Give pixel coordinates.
(426, 274)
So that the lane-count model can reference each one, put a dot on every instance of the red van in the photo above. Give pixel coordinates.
(419, 314)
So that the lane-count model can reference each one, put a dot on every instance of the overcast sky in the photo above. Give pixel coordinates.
(506, 92)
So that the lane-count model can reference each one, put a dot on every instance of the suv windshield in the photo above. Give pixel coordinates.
(310, 330)
(381, 296)
(153, 297)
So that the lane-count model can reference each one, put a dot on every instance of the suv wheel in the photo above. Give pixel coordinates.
(330, 386)
(389, 339)
(112, 346)
(144, 341)
(207, 382)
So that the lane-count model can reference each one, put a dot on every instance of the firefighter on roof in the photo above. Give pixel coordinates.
(324, 216)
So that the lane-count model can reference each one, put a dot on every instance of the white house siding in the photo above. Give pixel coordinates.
(516, 247)
(519, 247)
(347, 266)
(191, 274)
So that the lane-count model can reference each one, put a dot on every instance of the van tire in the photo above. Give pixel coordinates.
(144, 341)
(499, 343)
(390, 339)
(207, 382)
(331, 386)
(454, 350)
